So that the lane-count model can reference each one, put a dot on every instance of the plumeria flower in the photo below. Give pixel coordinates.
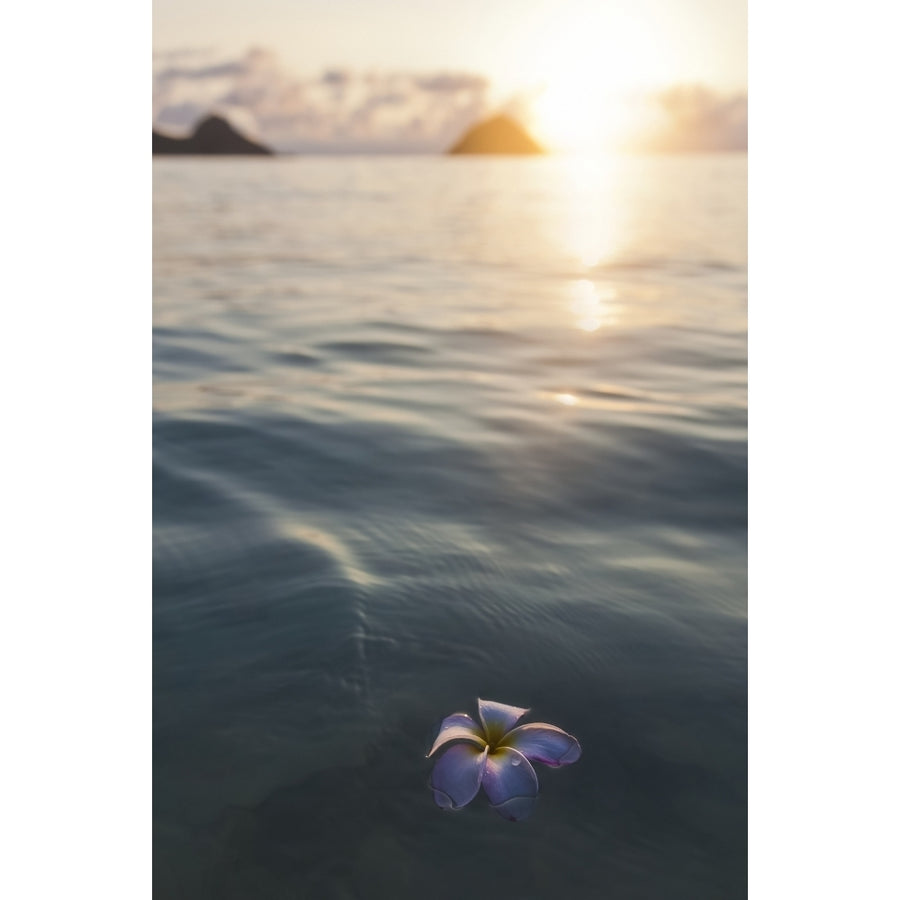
(497, 757)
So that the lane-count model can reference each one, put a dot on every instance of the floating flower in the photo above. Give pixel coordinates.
(496, 757)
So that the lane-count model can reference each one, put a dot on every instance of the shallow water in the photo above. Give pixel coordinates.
(430, 429)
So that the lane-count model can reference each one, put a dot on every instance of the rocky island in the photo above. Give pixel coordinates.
(213, 136)
(498, 135)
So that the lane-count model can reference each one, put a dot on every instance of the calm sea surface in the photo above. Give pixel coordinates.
(429, 429)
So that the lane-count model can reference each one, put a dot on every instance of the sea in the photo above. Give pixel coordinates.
(434, 429)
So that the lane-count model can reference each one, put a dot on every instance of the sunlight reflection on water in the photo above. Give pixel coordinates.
(591, 304)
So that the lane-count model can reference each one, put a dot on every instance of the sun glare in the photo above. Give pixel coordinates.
(590, 304)
(572, 115)
(589, 71)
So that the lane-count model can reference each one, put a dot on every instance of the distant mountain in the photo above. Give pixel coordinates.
(499, 134)
(213, 136)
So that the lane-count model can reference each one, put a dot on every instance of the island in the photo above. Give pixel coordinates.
(498, 135)
(213, 136)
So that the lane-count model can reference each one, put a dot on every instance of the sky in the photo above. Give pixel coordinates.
(411, 74)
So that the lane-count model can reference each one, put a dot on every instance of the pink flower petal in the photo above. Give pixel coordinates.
(458, 727)
(544, 743)
(498, 718)
(457, 775)
(510, 783)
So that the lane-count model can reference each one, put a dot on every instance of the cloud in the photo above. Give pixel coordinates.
(201, 73)
(337, 110)
(180, 54)
(695, 118)
(336, 76)
(450, 82)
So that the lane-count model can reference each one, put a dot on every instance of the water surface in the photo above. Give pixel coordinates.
(429, 429)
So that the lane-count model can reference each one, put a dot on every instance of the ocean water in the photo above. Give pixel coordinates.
(429, 429)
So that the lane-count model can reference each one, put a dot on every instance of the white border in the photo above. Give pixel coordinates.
(76, 467)
(823, 459)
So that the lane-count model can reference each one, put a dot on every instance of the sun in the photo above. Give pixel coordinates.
(570, 114)
(588, 73)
